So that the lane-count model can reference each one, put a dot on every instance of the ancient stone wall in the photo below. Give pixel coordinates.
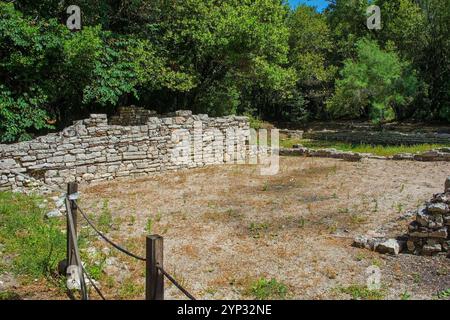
(132, 116)
(92, 150)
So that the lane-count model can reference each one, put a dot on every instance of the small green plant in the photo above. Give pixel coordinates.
(265, 186)
(376, 262)
(131, 220)
(149, 225)
(358, 219)
(416, 278)
(359, 292)
(129, 290)
(265, 289)
(332, 228)
(105, 220)
(399, 207)
(8, 295)
(360, 257)
(301, 222)
(405, 295)
(445, 294)
(257, 228)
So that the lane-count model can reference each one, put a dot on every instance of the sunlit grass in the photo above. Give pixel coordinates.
(378, 150)
(36, 244)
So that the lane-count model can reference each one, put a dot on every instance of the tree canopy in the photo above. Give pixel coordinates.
(256, 57)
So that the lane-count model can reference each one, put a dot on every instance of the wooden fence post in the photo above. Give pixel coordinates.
(154, 279)
(71, 189)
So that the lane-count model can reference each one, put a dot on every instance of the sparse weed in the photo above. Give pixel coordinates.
(358, 219)
(360, 292)
(445, 294)
(149, 226)
(257, 228)
(130, 290)
(265, 289)
(405, 295)
(399, 207)
(105, 220)
(417, 278)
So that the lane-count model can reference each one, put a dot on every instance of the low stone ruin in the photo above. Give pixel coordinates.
(132, 116)
(429, 233)
(92, 150)
(321, 153)
(441, 154)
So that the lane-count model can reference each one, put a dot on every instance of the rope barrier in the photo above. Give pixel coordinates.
(168, 276)
(106, 238)
(93, 284)
(74, 239)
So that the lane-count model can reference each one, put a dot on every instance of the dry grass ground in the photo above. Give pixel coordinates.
(226, 227)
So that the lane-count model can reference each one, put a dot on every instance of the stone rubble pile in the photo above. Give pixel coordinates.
(380, 244)
(429, 233)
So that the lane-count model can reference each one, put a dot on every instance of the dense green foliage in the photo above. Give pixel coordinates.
(375, 84)
(254, 57)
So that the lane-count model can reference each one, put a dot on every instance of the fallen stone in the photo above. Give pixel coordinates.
(422, 217)
(438, 208)
(441, 197)
(390, 246)
(411, 246)
(407, 215)
(54, 214)
(441, 233)
(430, 250)
(361, 242)
(365, 242)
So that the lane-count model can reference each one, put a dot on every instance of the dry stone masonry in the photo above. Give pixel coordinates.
(429, 233)
(441, 154)
(92, 150)
(132, 116)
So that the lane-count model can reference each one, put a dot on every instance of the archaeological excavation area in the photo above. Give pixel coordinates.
(227, 228)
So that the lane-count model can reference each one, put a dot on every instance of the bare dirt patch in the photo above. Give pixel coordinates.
(226, 227)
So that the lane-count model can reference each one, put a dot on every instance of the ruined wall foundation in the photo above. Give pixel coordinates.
(92, 150)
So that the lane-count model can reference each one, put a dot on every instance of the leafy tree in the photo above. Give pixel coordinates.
(27, 73)
(348, 21)
(310, 47)
(376, 84)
